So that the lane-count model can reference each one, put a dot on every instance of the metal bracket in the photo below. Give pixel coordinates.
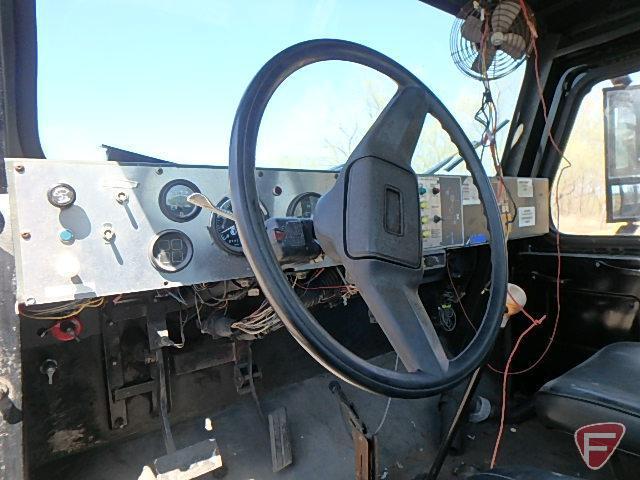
(365, 445)
(157, 327)
(113, 368)
(118, 390)
(244, 371)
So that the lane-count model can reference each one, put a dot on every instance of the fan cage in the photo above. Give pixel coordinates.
(465, 52)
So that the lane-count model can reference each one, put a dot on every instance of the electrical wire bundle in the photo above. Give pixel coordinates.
(61, 311)
(261, 321)
(487, 116)
(319, 289)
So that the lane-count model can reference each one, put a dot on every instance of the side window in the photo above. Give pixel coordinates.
(600, 193)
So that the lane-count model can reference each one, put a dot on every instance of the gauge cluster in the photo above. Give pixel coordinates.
(103, 228)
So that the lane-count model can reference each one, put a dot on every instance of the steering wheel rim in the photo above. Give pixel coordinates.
(298, 320)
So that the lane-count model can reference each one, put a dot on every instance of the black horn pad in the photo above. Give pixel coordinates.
(382, 215)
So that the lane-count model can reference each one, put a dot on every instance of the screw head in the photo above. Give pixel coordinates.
(122, 197)
(25, 235)
(19, 168)
(108, 233)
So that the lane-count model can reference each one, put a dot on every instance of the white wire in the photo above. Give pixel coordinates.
(386, 409)
(176, 297)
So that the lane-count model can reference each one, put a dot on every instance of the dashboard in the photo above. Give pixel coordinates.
(83, 229)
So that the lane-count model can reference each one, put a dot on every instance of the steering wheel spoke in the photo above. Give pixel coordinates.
(392, 297)
(394, 134)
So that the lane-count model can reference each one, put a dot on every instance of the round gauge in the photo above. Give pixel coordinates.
(173, 201)
(303, 205)
(170, 251)
(224, 231)
(61, 195)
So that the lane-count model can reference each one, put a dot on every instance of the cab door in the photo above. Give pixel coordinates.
(585, 275)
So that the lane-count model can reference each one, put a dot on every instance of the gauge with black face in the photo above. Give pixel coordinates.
(173, 200)
(170, 251)
(303, 205)
(224, 231)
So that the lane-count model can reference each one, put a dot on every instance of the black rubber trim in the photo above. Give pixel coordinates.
(302, 325)
(553, 395)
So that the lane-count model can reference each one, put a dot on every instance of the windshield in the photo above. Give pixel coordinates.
(164, 78)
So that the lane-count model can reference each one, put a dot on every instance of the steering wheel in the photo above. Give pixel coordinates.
(370, 223)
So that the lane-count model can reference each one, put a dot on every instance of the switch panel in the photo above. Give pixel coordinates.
(441, 212)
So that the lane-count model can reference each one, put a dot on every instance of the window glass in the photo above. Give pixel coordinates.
(164, 78)
(599, 194)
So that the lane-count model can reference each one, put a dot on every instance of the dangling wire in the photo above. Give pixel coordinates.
(487, 117)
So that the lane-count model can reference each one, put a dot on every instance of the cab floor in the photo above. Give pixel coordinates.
(322, 448)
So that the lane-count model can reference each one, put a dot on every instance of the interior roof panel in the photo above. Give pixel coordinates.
(565, 17)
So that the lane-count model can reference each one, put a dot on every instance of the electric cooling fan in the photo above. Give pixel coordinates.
(491, 38)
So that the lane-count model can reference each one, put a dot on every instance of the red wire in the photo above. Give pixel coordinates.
(505, 380)
(506, 373)
(328, 287)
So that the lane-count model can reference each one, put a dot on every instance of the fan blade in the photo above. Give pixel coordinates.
(472, 29)
(514, 45)
(503, 15)
(483, 67)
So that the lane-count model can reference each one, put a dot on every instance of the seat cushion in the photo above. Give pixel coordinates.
(604, 388)
(520, 473)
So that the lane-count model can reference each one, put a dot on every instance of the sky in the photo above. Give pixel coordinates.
(164, 78)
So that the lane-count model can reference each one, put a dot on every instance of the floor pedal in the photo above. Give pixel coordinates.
(190, 462)
(281, 454)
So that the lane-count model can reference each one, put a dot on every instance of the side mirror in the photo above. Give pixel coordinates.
(622, 152)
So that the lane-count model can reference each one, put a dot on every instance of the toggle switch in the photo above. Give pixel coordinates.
(48, 368)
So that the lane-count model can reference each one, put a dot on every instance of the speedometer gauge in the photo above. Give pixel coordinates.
(224, 231)
(173, 201)
(303, 205)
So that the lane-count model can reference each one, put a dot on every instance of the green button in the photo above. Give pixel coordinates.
(422, 190)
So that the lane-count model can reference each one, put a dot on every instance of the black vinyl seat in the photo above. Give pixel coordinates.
(604, 388)
(520, 473)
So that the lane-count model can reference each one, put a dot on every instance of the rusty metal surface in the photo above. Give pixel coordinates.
(11, 453)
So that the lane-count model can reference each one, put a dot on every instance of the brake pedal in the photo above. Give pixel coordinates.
(184, 463)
